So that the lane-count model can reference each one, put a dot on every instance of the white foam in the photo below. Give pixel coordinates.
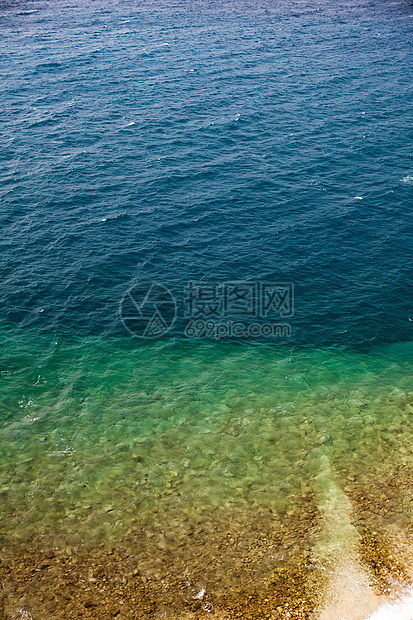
(200, 594)
(402, 610)
(348, 595)
(131, 124)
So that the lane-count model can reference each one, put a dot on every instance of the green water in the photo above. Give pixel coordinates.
(97, 434)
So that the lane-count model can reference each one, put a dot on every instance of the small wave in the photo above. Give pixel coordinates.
(42, 122)
(67, 450)
(407, 179)
(115, 216)
(49, 65)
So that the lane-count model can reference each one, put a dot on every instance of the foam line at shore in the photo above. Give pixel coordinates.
(400, 610)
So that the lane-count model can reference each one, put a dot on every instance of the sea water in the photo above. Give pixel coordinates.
(206, 142)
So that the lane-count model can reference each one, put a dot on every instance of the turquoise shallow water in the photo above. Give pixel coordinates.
(98, 433)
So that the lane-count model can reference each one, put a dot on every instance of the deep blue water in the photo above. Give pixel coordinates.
(210, 141)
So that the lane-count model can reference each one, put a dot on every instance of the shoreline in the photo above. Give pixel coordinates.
(213, 569)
